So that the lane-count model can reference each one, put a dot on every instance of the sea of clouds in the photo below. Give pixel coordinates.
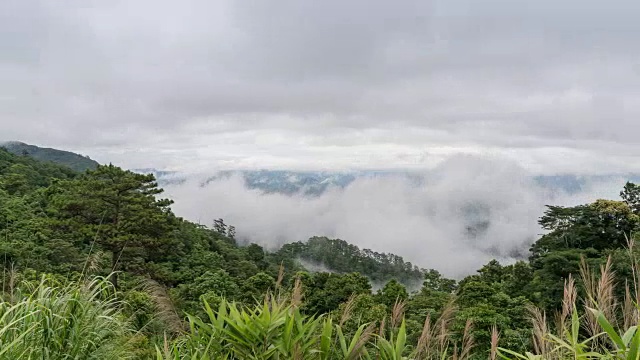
(426, 222)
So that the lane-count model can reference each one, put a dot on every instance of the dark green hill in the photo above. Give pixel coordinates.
(22, 174)
(339, 256)
(74, 161)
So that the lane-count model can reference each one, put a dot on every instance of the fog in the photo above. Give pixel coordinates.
(426, 223)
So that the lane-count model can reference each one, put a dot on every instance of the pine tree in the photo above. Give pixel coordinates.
(117, 211)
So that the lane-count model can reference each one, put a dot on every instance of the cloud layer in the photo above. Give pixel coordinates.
(426, 224)
(324, 84)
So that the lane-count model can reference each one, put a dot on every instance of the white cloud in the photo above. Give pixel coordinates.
(425, 224)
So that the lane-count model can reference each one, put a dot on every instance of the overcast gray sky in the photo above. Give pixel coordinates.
(294, 84)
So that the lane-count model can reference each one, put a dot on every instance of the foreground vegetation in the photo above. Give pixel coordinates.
(278, 330)
(96, 265)
(51, 320)
(84, 319)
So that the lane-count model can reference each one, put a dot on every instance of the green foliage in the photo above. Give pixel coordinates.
(396, 347)
(271, 331)
(47, 320)
(278, 330)
(391, 293)
(601, 225)
(116, 210)
(631, 196)
(342, 257)
(325, 292)
(360, 309)
(257, 285)
(19, 175)
(210, 285)
(65, 158)
(434, 281)
(605, 330)
(483, 300)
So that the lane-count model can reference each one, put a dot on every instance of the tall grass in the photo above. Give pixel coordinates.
(592, 326)
(50, 321)
(595, 326)
(277, 330)
(82, 319)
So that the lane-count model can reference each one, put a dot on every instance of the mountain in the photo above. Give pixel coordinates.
(308, 183)
(72, 160)
(339, 256)
(572, 184)
(22, 174)
(289, 182)
(315, 183)
(163, 177)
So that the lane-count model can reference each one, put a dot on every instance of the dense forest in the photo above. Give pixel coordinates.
(97, 266)
(74, 161)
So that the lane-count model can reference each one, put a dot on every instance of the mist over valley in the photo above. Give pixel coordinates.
(453, 218)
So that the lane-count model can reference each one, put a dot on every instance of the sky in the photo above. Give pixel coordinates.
(303, 84)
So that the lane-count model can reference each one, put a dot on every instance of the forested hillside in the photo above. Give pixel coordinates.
(339, 256)
(74, 161)
(22, 174)
(150, 284)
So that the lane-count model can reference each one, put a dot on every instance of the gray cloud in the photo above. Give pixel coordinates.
(324, 84)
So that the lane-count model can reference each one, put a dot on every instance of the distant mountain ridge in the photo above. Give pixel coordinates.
(308, 183)
(290, 182)
(315, 183)
(72, 160)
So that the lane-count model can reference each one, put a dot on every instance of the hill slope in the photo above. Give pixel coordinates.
(22, 174)
(74, 161)
(335, 255)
